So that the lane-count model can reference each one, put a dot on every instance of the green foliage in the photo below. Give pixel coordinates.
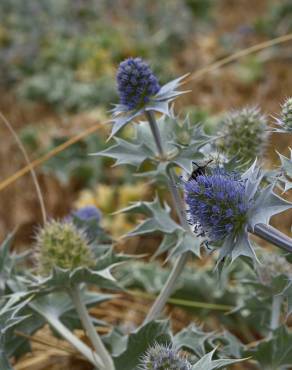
(74, 162)
(274, 353)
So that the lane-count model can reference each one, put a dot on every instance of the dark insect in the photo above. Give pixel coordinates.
(200, 170)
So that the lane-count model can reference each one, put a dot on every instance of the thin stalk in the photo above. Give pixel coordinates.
(276, 312)
(30, 167)
(181, 261)
(107, 362)
(183, 302)
(274, 236)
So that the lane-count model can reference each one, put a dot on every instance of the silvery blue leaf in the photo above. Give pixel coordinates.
(125, 152)
(207, 363)
(267, 204)
(159, 218)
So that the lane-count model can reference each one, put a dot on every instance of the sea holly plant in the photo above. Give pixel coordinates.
(211, 208)
(220, 207)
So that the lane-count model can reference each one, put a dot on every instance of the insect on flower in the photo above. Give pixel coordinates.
(200, 170)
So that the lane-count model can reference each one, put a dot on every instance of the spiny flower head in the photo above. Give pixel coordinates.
(286, 113)
(62, 244)
(161, 357)
(244, 134)
(217, 204)
(136, 83)
(88, 213)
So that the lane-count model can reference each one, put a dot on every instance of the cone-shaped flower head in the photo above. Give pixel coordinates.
(62, 244)
(161, 357)
(88, 213)
(244, 134)
(217, 204)
(136, 83)
(286, 114)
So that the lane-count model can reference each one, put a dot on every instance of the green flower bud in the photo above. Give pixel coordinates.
(286, 113)
(244, 134)
(61, 244)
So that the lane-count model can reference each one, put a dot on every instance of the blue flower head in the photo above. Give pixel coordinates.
(88, 213)
(136, 83)
(161, 357)
(217, 204)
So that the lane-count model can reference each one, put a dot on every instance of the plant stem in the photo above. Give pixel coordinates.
(274, 236)
(181, 261)
(90, 329)
(81, 347)
(276, 312)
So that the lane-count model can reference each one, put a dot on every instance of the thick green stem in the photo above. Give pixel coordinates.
(107, 362)
(181, 261)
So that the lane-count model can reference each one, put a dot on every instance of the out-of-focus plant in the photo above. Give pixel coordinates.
(108, 198)
(277, 20)
(69, 54)
(244, 134)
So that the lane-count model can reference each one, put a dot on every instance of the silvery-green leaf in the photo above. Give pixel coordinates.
(159, 106)
(192, 338)
(267, 204)
(274, 353)
(186, 156)
(159, 218)
(168, 91)
(121, 118)
(63, 278)
(139, 341)
(125, 152)
(228, 344)
(207, 363)
(9, 319)
(9, 313)
(178, 243)
(243, 247)
(253, 177)
(286, 165)
(57, 304)
(187, 242)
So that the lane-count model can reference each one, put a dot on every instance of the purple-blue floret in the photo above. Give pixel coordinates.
(88, 213)
(136, 83)
(160, 357)
(217, 204)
